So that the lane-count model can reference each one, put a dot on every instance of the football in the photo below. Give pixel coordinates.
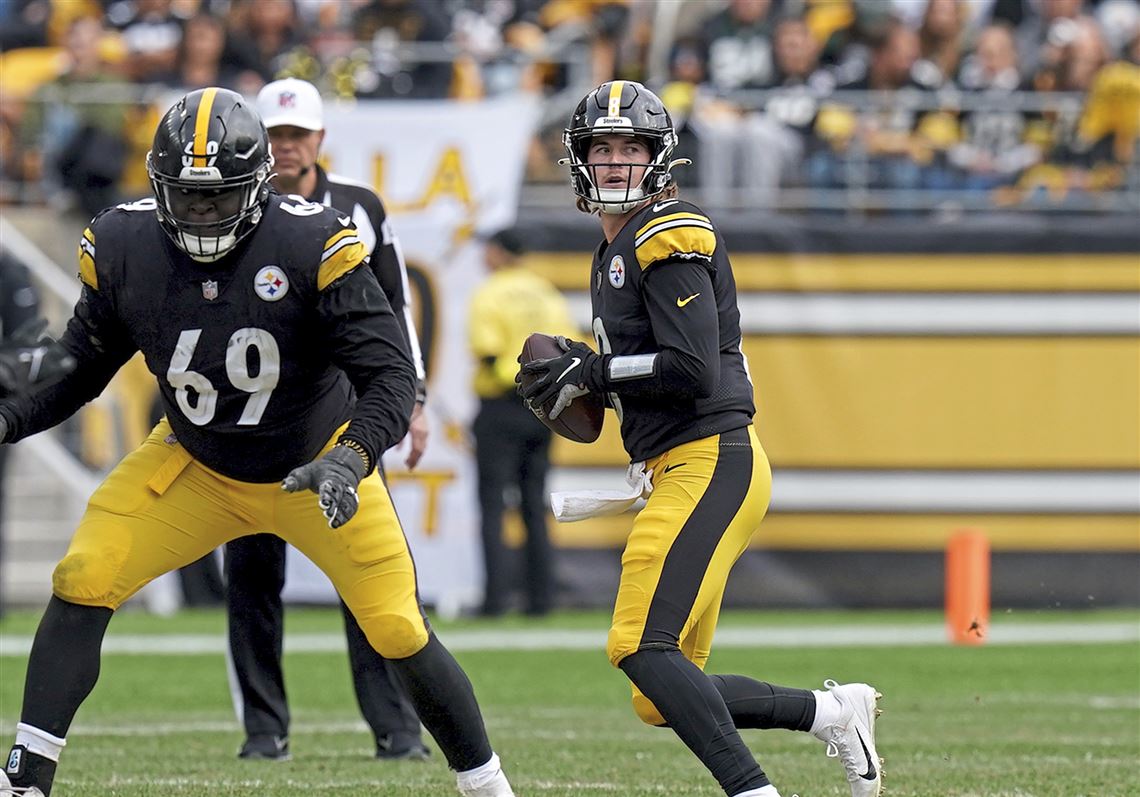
(582, 420)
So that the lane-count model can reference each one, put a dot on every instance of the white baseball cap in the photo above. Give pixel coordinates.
(291, 102)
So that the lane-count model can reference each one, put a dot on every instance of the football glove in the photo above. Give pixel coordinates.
(334, 478)
(29, 358)
(562, 378)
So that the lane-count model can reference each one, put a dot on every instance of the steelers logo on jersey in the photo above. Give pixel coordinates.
(271, 283)
(617, 271)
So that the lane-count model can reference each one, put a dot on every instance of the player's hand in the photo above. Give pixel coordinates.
(334, 478)
(29, 358)
(566, 377)
(417, 437)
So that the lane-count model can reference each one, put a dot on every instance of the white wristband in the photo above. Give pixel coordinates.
(633, 366)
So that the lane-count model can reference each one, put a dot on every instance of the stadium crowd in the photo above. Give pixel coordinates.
(1006, 99)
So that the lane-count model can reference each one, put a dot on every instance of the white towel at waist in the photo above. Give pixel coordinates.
(571, 505)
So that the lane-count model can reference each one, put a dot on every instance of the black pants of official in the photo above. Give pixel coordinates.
(255, 576)
(512, 449)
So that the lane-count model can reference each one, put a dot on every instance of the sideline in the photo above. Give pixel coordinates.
(854, 636)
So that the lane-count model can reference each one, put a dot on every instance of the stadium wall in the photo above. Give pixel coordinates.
(913, 378)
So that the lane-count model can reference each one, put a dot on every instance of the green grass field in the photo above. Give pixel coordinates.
(1008, 720)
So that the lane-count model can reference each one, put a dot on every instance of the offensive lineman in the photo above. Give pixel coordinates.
(257, 320)
(667, 325)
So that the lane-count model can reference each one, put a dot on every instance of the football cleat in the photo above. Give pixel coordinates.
(8, 790)
(852, 738)
(266, 748)
(401, 747)
(496, 787)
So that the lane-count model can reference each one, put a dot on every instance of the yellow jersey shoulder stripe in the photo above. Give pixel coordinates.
(649, 226)
(339, 259)
(680, 238)
(87, 271)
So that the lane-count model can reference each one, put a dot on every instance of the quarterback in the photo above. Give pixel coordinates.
(282, 370)
(667, 326)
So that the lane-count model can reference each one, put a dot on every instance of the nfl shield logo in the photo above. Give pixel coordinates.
(287, 99)
(210, 290)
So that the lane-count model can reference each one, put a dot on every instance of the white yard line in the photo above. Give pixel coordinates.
(858, 635)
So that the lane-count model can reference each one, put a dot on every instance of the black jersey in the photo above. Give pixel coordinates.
(256, 355)
(386, 257)
(664, 284)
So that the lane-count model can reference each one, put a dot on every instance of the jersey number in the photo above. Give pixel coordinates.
(183, 380)
(605, 348)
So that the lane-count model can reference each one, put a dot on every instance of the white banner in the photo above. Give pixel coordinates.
(445, 171)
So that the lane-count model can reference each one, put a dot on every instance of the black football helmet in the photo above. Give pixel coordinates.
(626, 108)
(210, 166)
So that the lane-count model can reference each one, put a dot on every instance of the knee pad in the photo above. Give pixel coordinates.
(395, 636)
(86, 579)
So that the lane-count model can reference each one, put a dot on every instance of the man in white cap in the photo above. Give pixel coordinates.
(255, 566)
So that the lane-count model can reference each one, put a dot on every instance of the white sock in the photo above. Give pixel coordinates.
(763, 791)
(827, 710)
(39, 742)
(481, 775)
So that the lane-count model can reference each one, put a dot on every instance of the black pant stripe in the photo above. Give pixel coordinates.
(688, 559)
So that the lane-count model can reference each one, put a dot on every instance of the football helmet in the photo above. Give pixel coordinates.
(626, 108)
(209, 167)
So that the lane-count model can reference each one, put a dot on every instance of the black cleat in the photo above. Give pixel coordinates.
(401, 747)
(266, 748)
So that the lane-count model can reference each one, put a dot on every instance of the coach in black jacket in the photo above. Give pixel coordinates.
(255, 565)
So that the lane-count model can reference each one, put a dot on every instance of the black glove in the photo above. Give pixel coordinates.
(568, 376)
(333, 478)
(29, 357)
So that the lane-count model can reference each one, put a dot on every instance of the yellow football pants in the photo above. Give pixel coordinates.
(708, 498)
(160, 509)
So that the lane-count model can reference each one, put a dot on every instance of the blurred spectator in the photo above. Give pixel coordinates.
(73, 128)
(151, 33)
(599, 24)
(265, 37)
(940, 42)
(385, 25)
(738, 41)
(1044, 32)
(503, 39)
(1110, 122)
(995, 146)
(686, 75)
(199, 61)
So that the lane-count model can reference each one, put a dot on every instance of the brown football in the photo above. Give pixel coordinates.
(582, 420)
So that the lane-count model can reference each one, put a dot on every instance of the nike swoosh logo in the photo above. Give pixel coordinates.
(573, 364)
(682, 302)
(659, 205)
(871, 772)
(670, 467)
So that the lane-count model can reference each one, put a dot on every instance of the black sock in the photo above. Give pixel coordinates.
(756, 704)
(64, 664)
(30, 769)
(445, 701)
(694, 709)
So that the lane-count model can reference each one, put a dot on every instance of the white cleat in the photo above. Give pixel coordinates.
(852, 738)
(8, 790)
(495, 786)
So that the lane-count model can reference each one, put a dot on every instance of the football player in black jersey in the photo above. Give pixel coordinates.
(292, 111)
(281, 369)
(667, 326)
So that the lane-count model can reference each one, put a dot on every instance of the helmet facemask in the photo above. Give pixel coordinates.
(199, 192)
(588, 179)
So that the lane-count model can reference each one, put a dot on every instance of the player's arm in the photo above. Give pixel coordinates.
(97, 341)
(366, 342)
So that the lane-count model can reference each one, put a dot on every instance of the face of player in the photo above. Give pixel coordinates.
(618, 162)
(205, 205)
(294, 151)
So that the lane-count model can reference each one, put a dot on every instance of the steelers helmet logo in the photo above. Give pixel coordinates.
(271, 283)
(617, 271)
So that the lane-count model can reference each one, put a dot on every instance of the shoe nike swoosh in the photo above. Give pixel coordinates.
(871, 772)
(573, 364)
(682, 302)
